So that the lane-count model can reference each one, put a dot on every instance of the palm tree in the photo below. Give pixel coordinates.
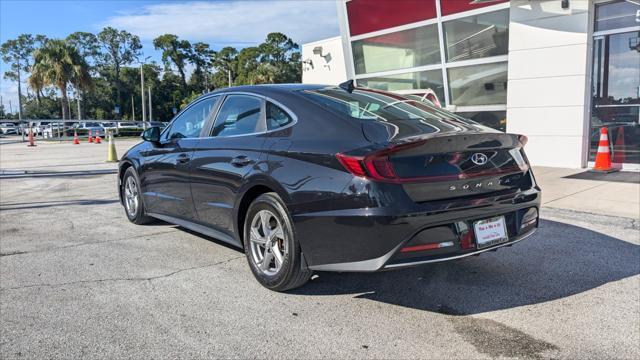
(36, 83)
(265, 74)
(58, 63)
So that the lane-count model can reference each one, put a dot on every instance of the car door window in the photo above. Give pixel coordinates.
(190, 123)
(239, 115)
(277, 117)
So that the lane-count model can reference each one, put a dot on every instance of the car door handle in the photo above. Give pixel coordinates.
(183, 158)
(241, 161)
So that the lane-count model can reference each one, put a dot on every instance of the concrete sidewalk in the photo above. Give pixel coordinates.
(560, 189)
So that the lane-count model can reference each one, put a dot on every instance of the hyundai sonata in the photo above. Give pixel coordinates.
(328, 178)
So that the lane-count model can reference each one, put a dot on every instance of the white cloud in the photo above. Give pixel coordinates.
(240, 23)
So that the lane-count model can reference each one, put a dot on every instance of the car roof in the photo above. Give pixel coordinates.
(266, 89)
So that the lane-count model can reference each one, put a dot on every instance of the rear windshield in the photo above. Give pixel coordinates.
(367, 104)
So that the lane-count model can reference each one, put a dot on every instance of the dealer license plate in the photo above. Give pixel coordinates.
(490, 232)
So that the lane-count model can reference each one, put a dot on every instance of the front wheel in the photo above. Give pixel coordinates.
(132, 198)
(272, 251)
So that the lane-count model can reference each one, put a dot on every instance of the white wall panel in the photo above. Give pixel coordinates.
(559, 151)
(548, 62)
(546, 121)
(548, 73)
(546, 91)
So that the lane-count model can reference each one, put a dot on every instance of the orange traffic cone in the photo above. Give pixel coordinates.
(98, 140)
(90, 137)
(75, 138)
(618, 147)
(603, 156)
(31, 140)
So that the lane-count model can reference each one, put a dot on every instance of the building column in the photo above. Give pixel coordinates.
(548, 92)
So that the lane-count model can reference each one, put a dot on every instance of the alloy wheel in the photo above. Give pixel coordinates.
(268, 245)
(131, 195)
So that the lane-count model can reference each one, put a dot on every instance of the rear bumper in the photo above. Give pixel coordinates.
(460, 255)
(374, 264)
(372, 239)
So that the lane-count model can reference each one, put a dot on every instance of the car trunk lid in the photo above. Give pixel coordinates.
(451, 164)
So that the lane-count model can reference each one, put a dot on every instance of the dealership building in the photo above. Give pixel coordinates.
(557, 70)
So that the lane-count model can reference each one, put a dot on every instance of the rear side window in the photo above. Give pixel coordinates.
(239, 115)
(277, 117)
(190, 123)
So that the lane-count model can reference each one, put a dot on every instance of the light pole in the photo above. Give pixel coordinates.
(133, 108)
(19, 94)
(144, 111)
(79, 110)
(68, 106)
(150, 108)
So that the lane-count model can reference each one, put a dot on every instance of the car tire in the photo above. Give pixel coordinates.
(279, 243)
(132, 194)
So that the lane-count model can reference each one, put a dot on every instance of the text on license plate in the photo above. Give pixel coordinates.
(490, 231)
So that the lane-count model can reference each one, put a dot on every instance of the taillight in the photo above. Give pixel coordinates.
(352, 163)
(376, 167)
(380, 168)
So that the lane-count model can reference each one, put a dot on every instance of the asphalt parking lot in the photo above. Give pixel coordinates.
(78, 280)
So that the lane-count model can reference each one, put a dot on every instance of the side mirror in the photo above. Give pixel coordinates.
(152, 134)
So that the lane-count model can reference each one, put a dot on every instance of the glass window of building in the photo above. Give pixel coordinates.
(492, 119)
(484, 84)
(408, 83)
(477, 36)
(615, 99)
(398, 50)
(617, 15)
(616, 66)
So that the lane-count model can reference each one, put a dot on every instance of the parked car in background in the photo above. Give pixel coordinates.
(109, 126)
(8, 128)
(130, 128)
(23, 128)
(159, 124)
(95, 128)
(53, 129)
(36, 126)
(128, 125)
(309, 178)
(422, 95)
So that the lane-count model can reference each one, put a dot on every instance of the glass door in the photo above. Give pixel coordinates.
(615, 102)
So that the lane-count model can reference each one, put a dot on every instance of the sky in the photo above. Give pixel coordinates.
(218, 23)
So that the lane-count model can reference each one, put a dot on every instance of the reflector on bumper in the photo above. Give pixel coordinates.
(427, 246)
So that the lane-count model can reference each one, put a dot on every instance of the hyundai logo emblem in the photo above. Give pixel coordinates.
(479, 158)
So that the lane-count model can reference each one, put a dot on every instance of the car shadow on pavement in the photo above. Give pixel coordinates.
(560, 260)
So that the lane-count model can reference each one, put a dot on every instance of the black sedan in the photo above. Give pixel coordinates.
(326, 178)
